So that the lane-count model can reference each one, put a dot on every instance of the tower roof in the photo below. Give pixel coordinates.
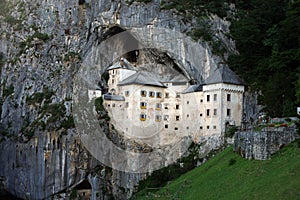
(142, 78)
(193, 88)
(223, 74)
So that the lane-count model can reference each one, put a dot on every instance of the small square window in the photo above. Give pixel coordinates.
(143, 105)
(207, 127)
(215, 127)
(114, 105)
(126, 93)
(177, 107)
(187, 102)
(176, 128)
(201, 127)
(113, 81)
(143, 117)
(157, 118)
(215, 112)
(201, 100)
(158, 95)
(167, 95)
(187, 115)
(177, 95)
(151, 94)
(228, 112)
(187, 128)
(166, 126)
(166, 117)
(126, 104)
(228, 97)
(177, 117)
(207, 112)
(200, 114)
(158, 106)
(215, 97)
(143, 93)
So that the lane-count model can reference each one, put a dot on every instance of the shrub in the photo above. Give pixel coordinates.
(232, 161)
(99, 104)
(230, 131)
(8, 91)
(68, 123)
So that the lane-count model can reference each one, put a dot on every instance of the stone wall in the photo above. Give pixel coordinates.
(260, 145)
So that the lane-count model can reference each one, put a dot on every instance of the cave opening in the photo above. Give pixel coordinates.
(81, 2)
(125, 42)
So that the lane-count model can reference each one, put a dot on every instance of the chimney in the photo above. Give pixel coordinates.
(122, 62)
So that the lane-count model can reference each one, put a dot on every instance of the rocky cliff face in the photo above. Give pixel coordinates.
(43, 44)
(260, 145)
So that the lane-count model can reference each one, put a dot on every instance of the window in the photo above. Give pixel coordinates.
(187, 128)
(228, 97)
(112, 81)
(177, 118)
(158, 106)
(207, 112)
(201, 127)
(201, 100)
(157, 118)
(126, 93)
(200, 114)
(176, 128)
(114, 105)
(215, 97)
(113, 72)
(126, 104)
(143, 93)
(207, 127)
(143, 105)
(158, 95)
(187, 115)
(151, 94)
(187, 102)
(215, 127)
(207, 98)
(143, 117)
(166, 117)
(177, 106)
(166, 126)
(167, 95)
(228, 112)
(215, 112)
(177, 95)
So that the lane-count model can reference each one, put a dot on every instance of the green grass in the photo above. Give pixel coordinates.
(228, 176)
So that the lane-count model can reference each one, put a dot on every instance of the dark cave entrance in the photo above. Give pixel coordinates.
(129, 43)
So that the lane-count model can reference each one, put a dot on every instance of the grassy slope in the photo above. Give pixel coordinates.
(278, 178)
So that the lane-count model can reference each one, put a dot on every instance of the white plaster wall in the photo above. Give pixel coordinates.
(94, 94)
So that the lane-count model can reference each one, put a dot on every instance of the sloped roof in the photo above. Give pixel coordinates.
(223, 74)
(178, 78)
(142, 78)
(114, 97)
(193, 88)
(126, 65)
